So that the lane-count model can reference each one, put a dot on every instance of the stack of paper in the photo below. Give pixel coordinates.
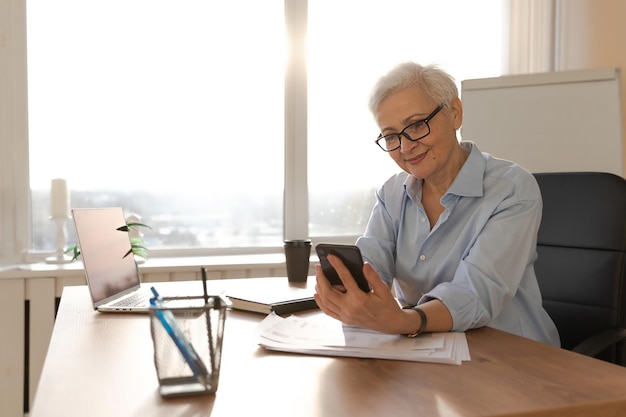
(323, 335)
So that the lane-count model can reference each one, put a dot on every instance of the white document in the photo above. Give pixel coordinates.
(323, 335)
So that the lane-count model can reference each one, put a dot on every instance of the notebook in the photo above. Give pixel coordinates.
(272, 295)
(111, 276)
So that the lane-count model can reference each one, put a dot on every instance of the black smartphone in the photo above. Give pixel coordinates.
(351, 257)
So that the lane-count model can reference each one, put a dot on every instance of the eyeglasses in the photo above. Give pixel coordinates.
(413, 132)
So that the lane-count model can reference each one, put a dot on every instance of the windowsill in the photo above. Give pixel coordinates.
(175, 261)
(156, 265)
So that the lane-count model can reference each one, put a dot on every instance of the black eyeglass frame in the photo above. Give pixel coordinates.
(406, 135)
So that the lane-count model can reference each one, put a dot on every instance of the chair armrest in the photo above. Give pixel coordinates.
(598, 342)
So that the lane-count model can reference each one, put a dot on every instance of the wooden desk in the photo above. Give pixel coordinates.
(101, 365)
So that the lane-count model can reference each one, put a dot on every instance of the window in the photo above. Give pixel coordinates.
(175, 111)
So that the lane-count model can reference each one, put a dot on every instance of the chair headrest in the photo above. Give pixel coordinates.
(583, 209)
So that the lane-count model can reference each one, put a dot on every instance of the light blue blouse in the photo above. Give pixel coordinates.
(477, 259)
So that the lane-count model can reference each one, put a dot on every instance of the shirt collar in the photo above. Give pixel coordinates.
(468, 182)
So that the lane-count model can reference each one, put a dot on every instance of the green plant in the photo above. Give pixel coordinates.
(137, 244)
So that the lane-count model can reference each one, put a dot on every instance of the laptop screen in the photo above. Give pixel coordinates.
(109, 274)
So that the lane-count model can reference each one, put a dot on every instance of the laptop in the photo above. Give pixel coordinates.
(111, 276)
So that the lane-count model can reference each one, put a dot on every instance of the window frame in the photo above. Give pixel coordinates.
(14, 181)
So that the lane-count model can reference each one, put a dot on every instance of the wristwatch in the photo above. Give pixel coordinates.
(423, 319)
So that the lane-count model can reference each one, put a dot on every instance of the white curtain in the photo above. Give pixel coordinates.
(530, 39)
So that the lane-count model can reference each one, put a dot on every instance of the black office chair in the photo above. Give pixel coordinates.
(581, 267)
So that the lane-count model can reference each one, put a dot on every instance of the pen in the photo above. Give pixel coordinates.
(206, 316)
(206, 296)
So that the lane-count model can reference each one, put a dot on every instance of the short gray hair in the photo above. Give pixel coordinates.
(438, 84)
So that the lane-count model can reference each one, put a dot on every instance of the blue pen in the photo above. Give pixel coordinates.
(190, 355)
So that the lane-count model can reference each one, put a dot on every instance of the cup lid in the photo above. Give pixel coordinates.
(297, 242)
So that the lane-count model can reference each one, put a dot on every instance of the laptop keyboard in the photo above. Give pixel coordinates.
(140, 298)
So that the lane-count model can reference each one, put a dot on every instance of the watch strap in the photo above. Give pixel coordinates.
(423, 320)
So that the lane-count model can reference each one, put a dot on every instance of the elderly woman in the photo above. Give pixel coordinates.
(454, 234)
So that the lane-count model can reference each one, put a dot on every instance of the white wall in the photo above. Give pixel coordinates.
(563, 35)
(592, 34)
(550, 121)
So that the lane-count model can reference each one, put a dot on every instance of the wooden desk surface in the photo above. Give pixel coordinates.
(102, 365)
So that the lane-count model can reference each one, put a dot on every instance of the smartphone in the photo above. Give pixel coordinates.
(351, 257)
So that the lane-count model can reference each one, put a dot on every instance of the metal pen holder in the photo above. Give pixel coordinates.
(187, 334)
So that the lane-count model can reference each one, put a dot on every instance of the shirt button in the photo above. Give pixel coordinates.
(423, 219)
(422, 257)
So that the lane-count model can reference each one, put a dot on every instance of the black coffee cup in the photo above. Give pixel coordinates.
(297, 253)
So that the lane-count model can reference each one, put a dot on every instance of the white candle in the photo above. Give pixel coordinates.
(59, 199)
